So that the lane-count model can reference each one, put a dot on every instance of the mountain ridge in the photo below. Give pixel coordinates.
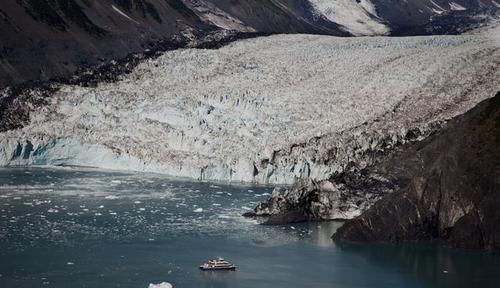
(45, 39)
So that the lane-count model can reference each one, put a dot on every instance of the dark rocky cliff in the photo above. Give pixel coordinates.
(452, 189)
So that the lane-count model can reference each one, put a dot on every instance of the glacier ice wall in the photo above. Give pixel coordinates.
(267, 110)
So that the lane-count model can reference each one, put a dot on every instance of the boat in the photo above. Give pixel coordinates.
(217, 264)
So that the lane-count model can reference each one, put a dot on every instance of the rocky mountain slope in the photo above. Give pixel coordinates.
(452, 187)
(266, 110)
(42, 39)
(45, 39)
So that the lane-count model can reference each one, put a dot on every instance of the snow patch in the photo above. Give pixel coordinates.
(437, 8)
(123, 14)
(359, 18)
(211, 13)
(456, 7)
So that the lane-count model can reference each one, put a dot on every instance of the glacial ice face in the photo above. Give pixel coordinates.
(267, 110)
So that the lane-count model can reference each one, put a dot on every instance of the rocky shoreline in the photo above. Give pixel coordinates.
(452, 191)
(444, 187)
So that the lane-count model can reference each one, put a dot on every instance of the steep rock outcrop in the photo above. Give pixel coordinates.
(309, 200)
(452, 191)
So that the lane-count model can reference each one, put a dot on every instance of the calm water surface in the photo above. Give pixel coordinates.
(85, 228)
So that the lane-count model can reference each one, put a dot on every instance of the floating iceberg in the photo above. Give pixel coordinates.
(161, 285)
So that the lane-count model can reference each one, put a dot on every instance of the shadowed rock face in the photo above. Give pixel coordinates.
(310, 200)
(452, 192)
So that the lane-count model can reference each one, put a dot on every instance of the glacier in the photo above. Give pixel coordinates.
(264, 110)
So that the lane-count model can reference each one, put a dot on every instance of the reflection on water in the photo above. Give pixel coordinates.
(321, 234)
(63, 228)
(435, 264)
(217, 277)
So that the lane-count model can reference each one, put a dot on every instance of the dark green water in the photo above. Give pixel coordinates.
(70, 228)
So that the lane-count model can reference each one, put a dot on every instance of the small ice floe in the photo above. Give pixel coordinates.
(111, 197)
(137, 202)
(292, 227)
(116, 181)
(70, 263)
(142, 209)
(100, 207)
(216, 204)
(198, 210)
(445, 271)
(228, 194)
(98, 214)
(160, 285)
(51, 210)
(250, 190)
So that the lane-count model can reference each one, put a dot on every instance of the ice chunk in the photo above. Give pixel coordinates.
(160, 285)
